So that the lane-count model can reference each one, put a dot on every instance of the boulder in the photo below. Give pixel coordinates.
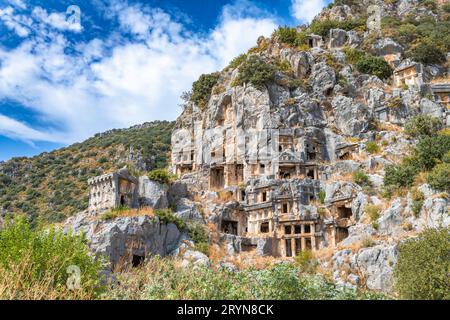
(391, 219)
(338, 38)
(122, 238)
(376, 265)
(387, 46)
(431, 108)
(323, 78)
(188, 211)
(351, 119)
(152, 194)
(195, 259)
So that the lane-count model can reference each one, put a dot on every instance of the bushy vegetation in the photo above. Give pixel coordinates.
(375, 66)
(166, 216)
(36, 264)
(165, 279)
(361, 178)
(423, 266)
(322, 195)
(306, 261)
(429, 152)
(427, 52)
(201, 89)
(199, 235)
(290, 36)
(367, 63)
(255, 71)
(236, 62)
(161, 176)
(439, 177)
(425, 39)
(323, 27)
(398, 176)
(372, 147)
(423, 125)
(53, 186)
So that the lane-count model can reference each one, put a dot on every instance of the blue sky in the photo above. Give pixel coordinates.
(63, 79)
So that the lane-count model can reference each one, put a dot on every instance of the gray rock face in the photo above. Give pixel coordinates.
(301, 62)
(431, 108)
(358, 205)
(195, 259)
(391, 219)
(338, 38)
(323, 78)
(122, 238)
(188, 211)
(387, 46)
(376, 264)
(351, 119)
(152, 194)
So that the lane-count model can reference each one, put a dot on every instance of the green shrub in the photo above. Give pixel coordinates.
(367, 242)
(323, 27)
(201, 89)
(446, 7)
(163, 278)
(198, 233)
(431, 150)
(423, 266)
(255, 71)
(423, 125)
(353, 55)
(166, 216)
(34, 263)
(439, 177)
(236, 62)
(375, 66)
(399, 175)
(373, 211)
(372, 147)
(360, 177)
(161, 176)
(427, 52)
(291, 36)
(322, 195)
(305, 260)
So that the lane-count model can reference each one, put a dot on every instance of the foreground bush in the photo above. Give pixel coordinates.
(34, 264)
(165, 279)
(423, 267)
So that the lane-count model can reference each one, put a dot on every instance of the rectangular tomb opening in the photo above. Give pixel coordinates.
(341, 234)
(217, 178)
(229, 227)
(344, 212)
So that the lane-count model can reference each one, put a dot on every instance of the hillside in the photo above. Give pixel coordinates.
(53, 185)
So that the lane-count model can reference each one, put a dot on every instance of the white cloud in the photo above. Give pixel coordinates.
(20, 24)
(18, 3)
(18, 130)
(306, 10)
(113, 83)
(57, 20)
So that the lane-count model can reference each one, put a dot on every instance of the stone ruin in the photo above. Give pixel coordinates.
(274, 176)
(112, 190)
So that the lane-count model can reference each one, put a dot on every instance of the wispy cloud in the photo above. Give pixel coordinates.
(306, 10)
(135, 74)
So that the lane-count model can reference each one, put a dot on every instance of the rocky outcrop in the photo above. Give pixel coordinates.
(123, 240)
(152, 194)
(351, 119)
